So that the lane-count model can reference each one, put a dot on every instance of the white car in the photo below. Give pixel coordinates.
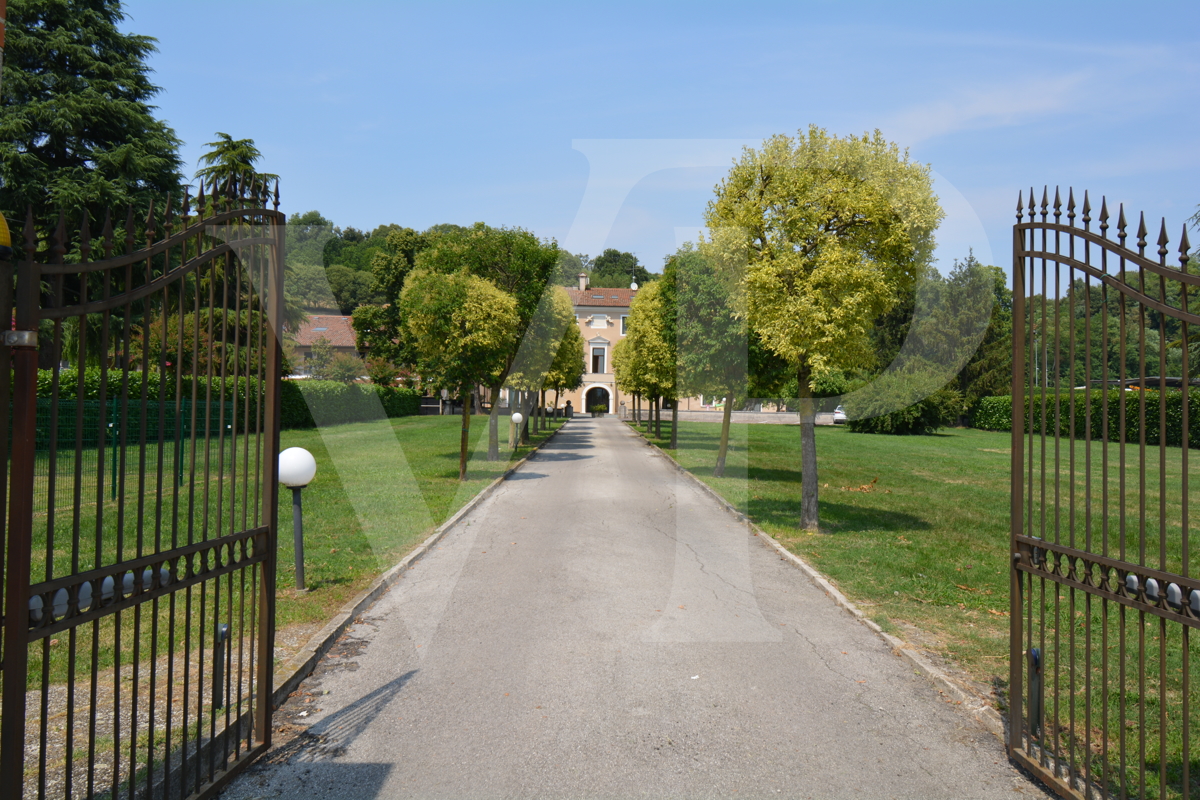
(839, 416)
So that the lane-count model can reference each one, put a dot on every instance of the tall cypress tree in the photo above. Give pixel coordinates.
(76, 125)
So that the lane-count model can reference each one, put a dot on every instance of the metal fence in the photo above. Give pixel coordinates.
(1103, 699)
(139, 538)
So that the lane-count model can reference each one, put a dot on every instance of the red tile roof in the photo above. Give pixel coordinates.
(602, 297)
(336, 330)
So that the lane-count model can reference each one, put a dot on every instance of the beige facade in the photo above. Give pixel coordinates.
(602, 316)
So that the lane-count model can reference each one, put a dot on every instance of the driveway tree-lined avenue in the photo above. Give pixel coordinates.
(599, 627)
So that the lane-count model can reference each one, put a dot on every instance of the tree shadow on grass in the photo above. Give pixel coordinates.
(835, 517)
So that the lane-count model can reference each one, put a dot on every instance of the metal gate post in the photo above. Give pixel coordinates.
(23, 342)
(1017, 507)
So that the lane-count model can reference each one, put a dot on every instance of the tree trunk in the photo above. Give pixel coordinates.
(465, 442)
(494, 425)
(719, 470)
(556, 399)
(657, 417)
(649, 414)
(542, 412)
(808, 455)
(675, 424)
(526, 407)
(476, 406)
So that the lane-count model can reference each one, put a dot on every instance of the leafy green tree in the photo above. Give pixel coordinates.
(307, 234)
(76, 126)
(831, 231)
(351, 289)
(382, 372)
(232, 159)
(569, 267)
(566, 370)
(537, 348)
(649, 335)
(516, 262)
(377, 326)
(462, 328)
(320, 358)
(712, 339)
(614, 269)
(345, 368)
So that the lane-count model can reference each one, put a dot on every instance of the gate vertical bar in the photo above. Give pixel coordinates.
(1017, 501)
(20, 529)
(273, 296)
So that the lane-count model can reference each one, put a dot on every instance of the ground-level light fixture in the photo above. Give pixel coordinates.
(297, 468)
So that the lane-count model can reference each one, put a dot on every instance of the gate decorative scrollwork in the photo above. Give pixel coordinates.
(139, 497)
(1103, 700)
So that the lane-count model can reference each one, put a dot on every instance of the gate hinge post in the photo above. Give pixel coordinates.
(20, 339)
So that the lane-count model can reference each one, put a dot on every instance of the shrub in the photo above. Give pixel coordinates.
(938, 410)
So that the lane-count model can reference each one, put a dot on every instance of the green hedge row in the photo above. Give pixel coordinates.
(156, 387)
(308, 403)
(305, 403)
(995, 414)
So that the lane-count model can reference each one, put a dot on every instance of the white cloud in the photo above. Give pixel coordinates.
(991, 107)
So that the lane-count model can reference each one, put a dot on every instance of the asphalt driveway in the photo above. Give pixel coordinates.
(599, 628)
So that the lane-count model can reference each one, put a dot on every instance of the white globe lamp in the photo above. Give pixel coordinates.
(297, 468)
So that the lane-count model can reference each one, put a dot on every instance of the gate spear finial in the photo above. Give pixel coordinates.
(1184, 248)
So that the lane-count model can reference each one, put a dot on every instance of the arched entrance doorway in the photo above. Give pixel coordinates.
(597, 396)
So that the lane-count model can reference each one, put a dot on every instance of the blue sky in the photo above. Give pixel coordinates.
(608, 124)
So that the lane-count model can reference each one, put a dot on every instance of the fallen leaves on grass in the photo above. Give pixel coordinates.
(866, 487)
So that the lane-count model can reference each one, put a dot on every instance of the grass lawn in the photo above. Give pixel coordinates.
(381, 489)
(915, 531)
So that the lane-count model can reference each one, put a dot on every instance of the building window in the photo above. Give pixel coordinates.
(624, 324)
(598, 360)
(599, 320)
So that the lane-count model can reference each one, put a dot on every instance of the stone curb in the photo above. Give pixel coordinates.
(978, 707)
(300, 666)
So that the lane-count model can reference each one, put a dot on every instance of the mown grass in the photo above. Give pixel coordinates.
(381, 488)
(915, 530)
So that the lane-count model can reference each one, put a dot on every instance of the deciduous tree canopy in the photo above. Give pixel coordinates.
(831, 230)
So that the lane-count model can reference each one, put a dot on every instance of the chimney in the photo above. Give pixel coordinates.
(583, 283)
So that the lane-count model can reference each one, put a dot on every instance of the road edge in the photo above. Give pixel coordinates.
(301, 665)
(977, 707)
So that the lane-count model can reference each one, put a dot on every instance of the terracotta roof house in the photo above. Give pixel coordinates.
(335, 329)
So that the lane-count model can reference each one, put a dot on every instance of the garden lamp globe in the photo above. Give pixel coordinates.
(297, 468)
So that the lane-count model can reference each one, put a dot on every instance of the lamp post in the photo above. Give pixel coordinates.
(515, 435)
(297, 468)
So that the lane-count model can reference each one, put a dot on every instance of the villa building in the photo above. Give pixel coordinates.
(602, 316)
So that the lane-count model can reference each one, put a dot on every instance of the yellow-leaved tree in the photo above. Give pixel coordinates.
(830, 231)
(462, 328)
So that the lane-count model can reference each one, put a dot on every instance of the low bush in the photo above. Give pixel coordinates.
(939, 410)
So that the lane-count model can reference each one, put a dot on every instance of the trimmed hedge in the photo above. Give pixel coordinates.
(995, 414)
(304, 404)
(156, 388)
(308, 403)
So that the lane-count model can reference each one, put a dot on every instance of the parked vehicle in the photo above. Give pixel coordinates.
(839, 416)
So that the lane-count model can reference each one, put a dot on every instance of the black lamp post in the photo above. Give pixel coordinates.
(297, 468)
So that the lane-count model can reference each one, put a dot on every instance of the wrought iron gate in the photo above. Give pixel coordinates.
(1103, 698)
(139, 498)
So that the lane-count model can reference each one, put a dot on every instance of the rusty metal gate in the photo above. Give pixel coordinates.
(139, 497)
(1103, 697)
